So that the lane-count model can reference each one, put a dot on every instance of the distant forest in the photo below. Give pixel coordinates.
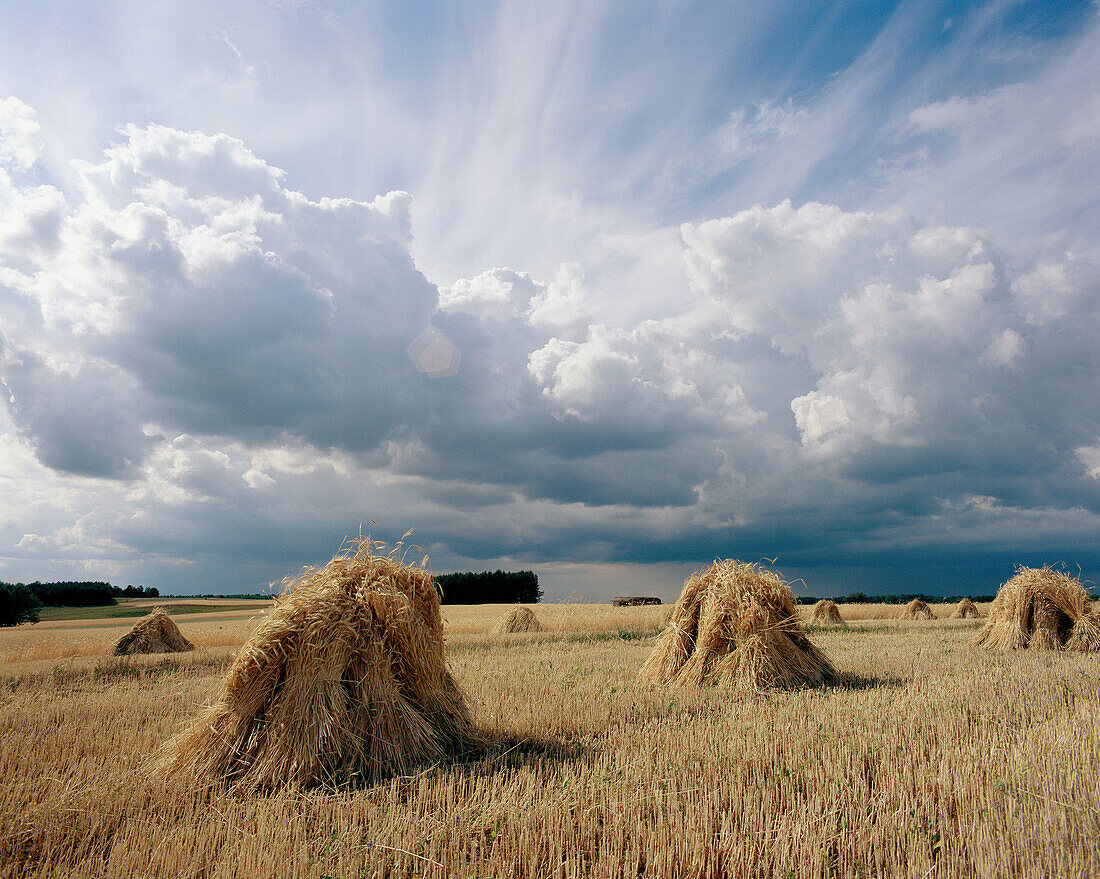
(863, 598)
(72, 593)
(490, 587)
(85, 593)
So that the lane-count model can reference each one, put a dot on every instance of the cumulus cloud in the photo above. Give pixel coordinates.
(908, 331)
(200, 362)
(19, 144)
(185, 283)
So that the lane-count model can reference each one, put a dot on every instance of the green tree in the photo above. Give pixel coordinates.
(18, 605)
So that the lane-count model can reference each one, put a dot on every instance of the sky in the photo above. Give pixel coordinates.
(604, 290)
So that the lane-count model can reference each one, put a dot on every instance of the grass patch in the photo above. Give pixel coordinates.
(618, 635)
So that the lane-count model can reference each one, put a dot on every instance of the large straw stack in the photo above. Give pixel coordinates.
(735, 626)
(1041, 609)
(917, 610)
(344, 682)
(966, 609)
(826, 613)
(518, 620)
(155, 633)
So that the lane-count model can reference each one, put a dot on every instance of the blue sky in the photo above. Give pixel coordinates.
(601, 290)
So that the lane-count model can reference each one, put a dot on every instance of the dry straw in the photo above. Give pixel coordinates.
(1041, 609)
(917, 610)
(155, 633)
(826, 613)
(965, 610)
(519, 619)
(735, 626)
(344, 682)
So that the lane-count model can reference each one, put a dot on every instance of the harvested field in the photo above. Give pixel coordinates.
(929, 759)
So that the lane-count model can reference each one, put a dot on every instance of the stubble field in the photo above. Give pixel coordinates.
(930, 759)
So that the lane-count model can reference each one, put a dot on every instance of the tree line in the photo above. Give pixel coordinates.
(905, 598)
(23, 602)
(489, 587)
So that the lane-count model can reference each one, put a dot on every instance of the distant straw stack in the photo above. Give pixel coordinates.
(1041, 609)
(917, 610)
(155, 633)
(344, 682)
(826, 613)
(965, 610)
(519, 620)
(735, 626)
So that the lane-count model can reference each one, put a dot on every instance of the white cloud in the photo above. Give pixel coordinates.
(189, 286)
(19, 138)
(819, 417)
(501, 294)
(1005, 349)
(1090, 457)
(893, 319)
(970, 116)
(748, 133)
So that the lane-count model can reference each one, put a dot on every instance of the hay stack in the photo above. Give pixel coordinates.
(1041, 609)
(155, 633)
(735, 626)
(966, 610)
(345, 681)
(826, 613)
(518, 619)
(917, 610)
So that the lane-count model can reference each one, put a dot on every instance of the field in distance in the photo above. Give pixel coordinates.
(930, 759)
(127, 608)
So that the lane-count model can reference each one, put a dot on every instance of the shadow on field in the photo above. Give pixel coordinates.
(498, 753)
(846, 681)
(507, 752)
(514, 751)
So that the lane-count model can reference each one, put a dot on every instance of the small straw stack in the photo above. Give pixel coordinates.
(917, 610)
(826, 613)
(155, 633)
(735, 626)
(965, 610)
(518, 620)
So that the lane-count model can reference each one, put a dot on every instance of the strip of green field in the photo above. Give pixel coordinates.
(121, 610)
